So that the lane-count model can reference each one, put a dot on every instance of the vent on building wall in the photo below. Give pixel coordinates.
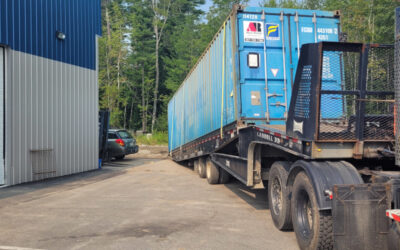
(43, 164)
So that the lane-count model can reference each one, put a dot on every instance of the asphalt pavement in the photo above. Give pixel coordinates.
(146, 201)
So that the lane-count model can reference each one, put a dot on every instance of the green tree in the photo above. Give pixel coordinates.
(113, 51)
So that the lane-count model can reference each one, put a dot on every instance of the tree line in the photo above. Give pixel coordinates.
(148, 46)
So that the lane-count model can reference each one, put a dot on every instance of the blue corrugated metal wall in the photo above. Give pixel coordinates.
(30, 26)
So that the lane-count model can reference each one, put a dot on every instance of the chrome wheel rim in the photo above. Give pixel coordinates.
(276, 196)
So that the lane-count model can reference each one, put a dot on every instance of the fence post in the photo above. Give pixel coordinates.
(397, 84)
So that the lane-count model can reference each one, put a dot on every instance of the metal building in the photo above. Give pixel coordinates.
(48, 88)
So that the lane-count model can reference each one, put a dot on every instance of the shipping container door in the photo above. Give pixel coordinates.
(278, 66)
(252, 84)
(2, 81)
(264, 46)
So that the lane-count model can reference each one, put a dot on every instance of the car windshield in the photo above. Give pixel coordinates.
(124, 135)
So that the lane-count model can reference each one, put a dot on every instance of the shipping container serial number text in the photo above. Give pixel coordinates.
(250, 16)
(269, 138)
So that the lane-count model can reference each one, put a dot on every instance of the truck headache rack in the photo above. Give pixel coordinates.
(354, 83)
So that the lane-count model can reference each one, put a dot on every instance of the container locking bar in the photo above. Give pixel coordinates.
(265, 69)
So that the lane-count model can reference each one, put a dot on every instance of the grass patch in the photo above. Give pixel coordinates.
(158, 138)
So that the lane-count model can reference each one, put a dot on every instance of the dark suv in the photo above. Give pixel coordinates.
(120, 143)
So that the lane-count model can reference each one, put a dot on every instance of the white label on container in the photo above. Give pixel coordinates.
(256, 114)
(253, 31)
(297, 126)
(325, 30)
(250, 16)
(323, 37)
(253, 60)
(306, 29)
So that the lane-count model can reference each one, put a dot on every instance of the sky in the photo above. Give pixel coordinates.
(209, 3)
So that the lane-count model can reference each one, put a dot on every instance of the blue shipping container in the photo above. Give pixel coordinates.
(247, 72)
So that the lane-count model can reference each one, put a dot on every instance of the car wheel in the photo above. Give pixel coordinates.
(120, 157)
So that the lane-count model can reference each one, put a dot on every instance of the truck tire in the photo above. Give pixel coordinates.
(224, 177)
(212, 172)
(196, 166)
(316, 234)
(202, 168)
(278, 195)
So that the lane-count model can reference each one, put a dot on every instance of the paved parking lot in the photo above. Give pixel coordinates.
(138, 203)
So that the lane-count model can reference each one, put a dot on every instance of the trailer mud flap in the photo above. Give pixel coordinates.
(359, 216)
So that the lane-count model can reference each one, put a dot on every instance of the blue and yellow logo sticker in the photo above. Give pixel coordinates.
(272, 31)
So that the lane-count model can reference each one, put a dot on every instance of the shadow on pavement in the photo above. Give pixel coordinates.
(257, 198)
(35, 190)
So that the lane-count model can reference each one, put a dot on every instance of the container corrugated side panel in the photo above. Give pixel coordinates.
(195, 109)
(51, 118)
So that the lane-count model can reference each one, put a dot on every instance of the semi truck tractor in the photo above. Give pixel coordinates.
(279, 101)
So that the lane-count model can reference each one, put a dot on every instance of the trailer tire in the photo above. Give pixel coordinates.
(224, 176)
(212, 172)
(317, 234)
(278, 195)
(196, 166)
(202, 168)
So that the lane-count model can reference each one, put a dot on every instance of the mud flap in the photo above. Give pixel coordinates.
(359, 216)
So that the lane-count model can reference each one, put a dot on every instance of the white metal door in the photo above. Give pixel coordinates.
(2, 79)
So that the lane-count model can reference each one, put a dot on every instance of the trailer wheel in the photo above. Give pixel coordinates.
(278, 196)
(212, 172)
(202, 168)
(224, 177)
(196, 166)
(313, 228)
